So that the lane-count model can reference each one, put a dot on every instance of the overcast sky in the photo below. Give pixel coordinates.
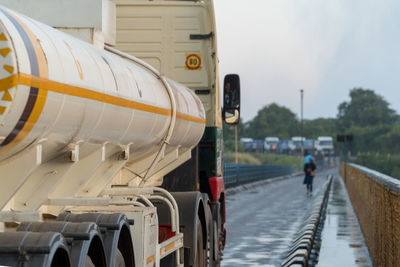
(325, 47)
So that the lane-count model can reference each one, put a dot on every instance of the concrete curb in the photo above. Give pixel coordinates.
(301, 247)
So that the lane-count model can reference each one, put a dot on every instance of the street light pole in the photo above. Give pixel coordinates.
(236, 145)
(301, 133)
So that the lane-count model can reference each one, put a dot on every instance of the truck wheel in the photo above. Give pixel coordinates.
(201, 253)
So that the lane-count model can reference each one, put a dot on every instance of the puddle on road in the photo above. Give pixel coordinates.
(256, 256)
(239, 262)
(342, 241)
(267, 239)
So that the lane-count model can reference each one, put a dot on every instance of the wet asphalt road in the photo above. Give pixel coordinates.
(263, 218)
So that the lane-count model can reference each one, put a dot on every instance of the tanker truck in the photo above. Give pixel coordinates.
(104, 160)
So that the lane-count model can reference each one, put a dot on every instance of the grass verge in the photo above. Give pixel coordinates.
(260, 158)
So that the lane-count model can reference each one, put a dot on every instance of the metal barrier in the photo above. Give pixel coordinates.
(376, 201)
(236, 174)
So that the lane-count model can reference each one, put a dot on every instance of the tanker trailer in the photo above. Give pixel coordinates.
(88, 135)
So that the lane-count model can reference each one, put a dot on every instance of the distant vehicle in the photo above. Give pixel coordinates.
(250, 145)
(257, 146)
(271, 144)
(295, 144)
(309, 146)
(283, 147)
(324, 145)
(247, 143)
(245, 140)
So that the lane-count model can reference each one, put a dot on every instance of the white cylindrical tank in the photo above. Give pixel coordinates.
(58, 88)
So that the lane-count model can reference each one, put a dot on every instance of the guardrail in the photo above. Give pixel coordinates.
(301, 250)
(376, 201)
(236, 174)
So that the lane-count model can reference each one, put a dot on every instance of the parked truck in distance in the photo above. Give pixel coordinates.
(246, 143)
(309, 146)
(295, 145)
(283, 147)
(271, 144)
(324, 145)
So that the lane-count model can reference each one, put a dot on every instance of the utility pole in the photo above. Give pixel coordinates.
(301, 120)
(236, 144)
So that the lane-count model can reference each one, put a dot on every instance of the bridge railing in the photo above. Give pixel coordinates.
(376, 201)
(236, 174)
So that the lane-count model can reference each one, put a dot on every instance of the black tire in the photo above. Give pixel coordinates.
(217, 241)
(210, 247)
(215, 236)
(201, 253)
(212, 242)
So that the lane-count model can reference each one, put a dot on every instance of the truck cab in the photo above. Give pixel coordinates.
(324, 145)
(309, 146)
(179, 38)
(271, 144)
(295, 145)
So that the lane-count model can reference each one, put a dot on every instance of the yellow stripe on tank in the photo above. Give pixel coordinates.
(57, 87)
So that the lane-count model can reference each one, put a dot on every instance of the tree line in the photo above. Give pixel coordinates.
(367, 116)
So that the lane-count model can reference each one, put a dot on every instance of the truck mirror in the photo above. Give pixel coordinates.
(231, 108)
(231, 116)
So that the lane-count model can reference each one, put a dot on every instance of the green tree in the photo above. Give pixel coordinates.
(320, 127)
(389, 141)
(369, 138)
(364, 109)
(273, 120)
